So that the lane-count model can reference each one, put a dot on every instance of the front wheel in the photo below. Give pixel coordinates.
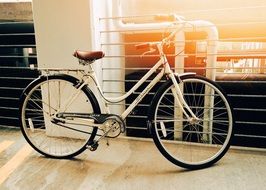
(41, 100)
(188, 143)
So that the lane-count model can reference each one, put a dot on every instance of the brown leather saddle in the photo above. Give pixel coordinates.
(88, 55)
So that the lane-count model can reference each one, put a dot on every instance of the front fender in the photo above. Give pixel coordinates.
(184, 75)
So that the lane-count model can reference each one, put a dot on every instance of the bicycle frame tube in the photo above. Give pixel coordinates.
(135, 87)
(142, 94)
(181, 101)
(165, 70)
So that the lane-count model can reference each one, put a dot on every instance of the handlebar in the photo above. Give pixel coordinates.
(143, 45)
(147, 45)
(175, 20)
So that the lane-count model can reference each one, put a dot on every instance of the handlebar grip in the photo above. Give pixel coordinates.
(142, 46)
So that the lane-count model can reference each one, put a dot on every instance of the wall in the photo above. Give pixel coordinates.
(64, 25)
(61, 26)
(215, 11)
(234, 18)
(15, 11)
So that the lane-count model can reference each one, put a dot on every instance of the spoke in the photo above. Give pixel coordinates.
(168, 113)
(36, 117)
(193, 96)
(203, 140)
(32, 100)
(200, 100)
(170, 102)
(218, 140)
(39, 124)
(36, 109)
(225, 123)
(186, 90)
(214, 110)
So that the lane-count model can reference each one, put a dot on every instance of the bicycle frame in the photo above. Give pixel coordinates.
(60, 116)
(166, 70)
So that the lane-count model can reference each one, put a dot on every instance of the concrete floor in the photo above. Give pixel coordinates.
(125, 164)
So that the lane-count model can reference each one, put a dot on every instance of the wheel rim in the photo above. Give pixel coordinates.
(46, 137)
(194, 143)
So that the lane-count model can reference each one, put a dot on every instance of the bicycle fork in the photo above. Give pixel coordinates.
(178, 95)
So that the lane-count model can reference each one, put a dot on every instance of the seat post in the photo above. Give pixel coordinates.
(88, 68)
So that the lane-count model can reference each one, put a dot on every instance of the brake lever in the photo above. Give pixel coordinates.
(152, 50)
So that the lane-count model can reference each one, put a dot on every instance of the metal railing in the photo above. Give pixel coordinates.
(17, 52)
(239, 70)
(243, 82)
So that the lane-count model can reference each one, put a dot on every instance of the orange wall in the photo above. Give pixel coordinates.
(234, 18)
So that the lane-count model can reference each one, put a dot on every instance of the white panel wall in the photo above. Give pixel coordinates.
(61, 26)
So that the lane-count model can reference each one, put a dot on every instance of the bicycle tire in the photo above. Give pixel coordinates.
(192, 145)
(45, 137)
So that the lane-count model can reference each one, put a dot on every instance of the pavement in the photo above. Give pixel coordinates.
(125, 164)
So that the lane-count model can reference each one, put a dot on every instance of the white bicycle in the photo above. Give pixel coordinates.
(189, 118)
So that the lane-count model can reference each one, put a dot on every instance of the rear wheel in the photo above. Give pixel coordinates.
(40, 101)
(192, 144)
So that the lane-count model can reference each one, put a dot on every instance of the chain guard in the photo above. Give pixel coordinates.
(113, 126)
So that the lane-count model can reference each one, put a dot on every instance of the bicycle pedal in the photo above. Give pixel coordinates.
(107, 142)
(93, 146)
